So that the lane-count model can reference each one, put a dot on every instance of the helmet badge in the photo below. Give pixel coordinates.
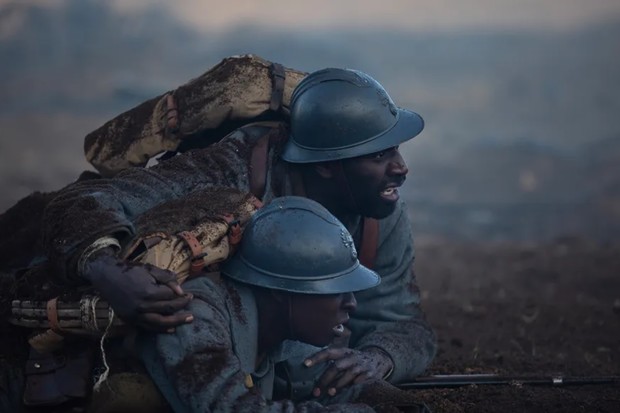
(348, 242)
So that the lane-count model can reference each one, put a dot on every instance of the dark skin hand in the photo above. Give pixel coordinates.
(349, 366)
(141, 295)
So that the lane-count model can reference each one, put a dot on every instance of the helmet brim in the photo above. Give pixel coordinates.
(357, 278)
(408, 126)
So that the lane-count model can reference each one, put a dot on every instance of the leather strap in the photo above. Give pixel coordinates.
(260, 153)
(297, 182)
(369, 243)
(52, 314)
(278, 75)
(234, 229)
(234, 234)
(258, 166)
(256, 202)
(172, 114)
(197, 260)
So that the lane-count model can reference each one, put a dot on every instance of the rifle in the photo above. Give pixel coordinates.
(460, 380)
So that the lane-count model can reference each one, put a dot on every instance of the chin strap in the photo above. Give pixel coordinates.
(343, 182)
(290, 317)
(369, 239)
(369, 242)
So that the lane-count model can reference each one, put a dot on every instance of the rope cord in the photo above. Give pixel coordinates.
(104, 376)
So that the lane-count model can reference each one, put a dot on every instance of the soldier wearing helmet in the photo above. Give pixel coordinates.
(344, 121)
(342, 150)
(293, 278)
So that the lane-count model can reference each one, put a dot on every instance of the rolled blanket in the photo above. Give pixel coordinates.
(239, 90)
(188, 236)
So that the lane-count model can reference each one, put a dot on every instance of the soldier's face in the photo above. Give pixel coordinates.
(318, 319)
(374, 181)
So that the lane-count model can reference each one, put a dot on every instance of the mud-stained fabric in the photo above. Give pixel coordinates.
(210, 364)
(86, 211)
(238, 89)
(213, 218)
(388, 316)
(20, 237)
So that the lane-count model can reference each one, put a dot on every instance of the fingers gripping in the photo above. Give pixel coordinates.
(346, 367)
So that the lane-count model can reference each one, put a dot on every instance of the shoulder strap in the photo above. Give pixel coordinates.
(369, 242)
(197, 259)
(259, 158)
(259, 167)
(278, 77)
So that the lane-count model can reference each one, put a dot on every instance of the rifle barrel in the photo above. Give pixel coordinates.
(459, 380)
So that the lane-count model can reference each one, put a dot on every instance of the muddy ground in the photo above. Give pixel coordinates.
(523, 310)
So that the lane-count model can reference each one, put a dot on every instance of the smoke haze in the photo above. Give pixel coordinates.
(520, 98)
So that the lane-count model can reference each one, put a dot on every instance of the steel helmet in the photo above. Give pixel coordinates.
(344, 113)
(295, 244)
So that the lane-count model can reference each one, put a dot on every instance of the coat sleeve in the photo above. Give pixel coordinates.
(85, 211)
(197, 370)
(389, 316)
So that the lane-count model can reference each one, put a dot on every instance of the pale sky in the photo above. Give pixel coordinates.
(397, 14)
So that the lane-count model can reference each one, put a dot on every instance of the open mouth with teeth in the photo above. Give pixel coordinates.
(390, 194)
(338, 330)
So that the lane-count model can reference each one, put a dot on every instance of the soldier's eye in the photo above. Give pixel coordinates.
(378, 155)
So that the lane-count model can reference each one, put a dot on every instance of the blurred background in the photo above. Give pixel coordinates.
(521, 98)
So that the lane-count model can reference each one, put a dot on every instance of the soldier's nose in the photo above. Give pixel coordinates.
(398, 166)
(349, 303)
